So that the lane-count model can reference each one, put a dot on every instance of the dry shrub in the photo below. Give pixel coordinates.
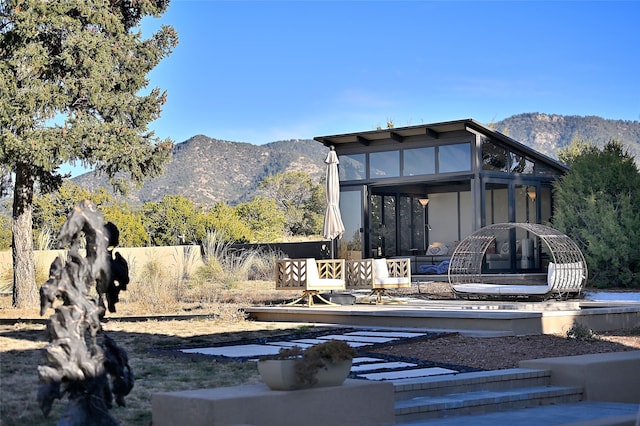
(42, 272)
(6, 278)
(264, 265)
(256, 293)
(222, 263)
(44, 239)
(230, 312)
(204, 292)
(186, 263)
(151, 287)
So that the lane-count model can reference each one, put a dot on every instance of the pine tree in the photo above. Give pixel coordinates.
(74, 89)
(598, 205)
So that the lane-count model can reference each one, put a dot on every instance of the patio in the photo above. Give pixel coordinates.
(498, 318)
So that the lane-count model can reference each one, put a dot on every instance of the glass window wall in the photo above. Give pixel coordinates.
(383, 225)
(419, 161)
(352, 167)
(350, 245)
(454, 158)
(384, 164)
(526, 210)
(521, 164)
(494, 157)
(496, 203)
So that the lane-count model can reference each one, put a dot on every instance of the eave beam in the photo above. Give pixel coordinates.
(362, 140)
(431, 133)
(396, 137)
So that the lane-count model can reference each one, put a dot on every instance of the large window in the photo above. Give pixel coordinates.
(454, 158)
(384, 164)
(419, 161)
(449, 216)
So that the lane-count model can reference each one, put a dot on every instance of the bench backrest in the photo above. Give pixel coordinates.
(366, 273)
(293, 274)
(380, 271)
(312, 272)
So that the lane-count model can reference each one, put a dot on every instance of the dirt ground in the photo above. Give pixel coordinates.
(477, 352)
(494, 353)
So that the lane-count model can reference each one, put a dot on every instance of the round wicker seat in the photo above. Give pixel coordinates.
(566, 275)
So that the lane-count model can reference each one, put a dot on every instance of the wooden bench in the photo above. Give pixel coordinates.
(378, 275)
(311, 276)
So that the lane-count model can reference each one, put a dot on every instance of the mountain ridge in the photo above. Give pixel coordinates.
(549, 132)
(208, 170)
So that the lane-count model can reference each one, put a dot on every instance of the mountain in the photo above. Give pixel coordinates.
(209, 170)
(549, 132)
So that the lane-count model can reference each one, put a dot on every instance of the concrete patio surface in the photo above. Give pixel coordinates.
(500, 317)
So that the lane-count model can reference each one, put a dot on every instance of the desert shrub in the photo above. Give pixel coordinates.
(44, 239)
(185, 262)
(6, 278)
(5, 232)
(151, 287)
(222, 263)
(582, 332)
(264, 265)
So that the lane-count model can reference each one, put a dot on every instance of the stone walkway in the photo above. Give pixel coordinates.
(368, 366)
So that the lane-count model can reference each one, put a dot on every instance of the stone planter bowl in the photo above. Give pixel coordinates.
(280, 374)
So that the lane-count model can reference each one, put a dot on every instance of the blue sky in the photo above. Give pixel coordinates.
(263, 71)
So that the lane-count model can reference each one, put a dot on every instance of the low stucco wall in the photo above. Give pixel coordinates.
(355, 403)
(611, 377)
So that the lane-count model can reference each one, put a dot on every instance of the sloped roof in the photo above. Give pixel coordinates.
(434, 130)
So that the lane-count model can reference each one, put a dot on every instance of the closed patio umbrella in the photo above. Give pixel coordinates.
(333, 226)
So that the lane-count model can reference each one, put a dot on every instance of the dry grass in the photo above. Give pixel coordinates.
(21, 343)
(21, 352)
(219, 291)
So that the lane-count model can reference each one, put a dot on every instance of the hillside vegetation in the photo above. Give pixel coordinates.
(549, 132)
(208, 170)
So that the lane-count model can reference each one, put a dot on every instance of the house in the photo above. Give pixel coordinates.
(418, 190)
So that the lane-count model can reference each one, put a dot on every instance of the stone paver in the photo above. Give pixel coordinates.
(363, 367)
(382, 365)
(357, 338)
(407, 374)
(236, 351)
(392, 334)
